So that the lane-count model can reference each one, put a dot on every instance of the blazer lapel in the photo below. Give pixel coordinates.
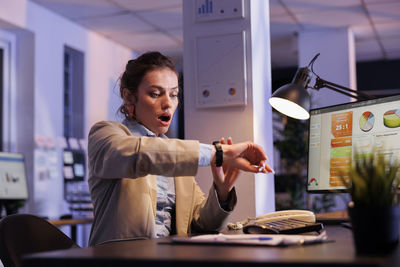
(184, 187)
(152, 180)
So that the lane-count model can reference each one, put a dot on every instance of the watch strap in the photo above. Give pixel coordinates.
(218, 154)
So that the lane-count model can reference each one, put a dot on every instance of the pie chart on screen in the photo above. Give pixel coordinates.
(391, 118)
(367, 120)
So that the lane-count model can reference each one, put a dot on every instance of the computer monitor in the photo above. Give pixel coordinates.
(337, 132)
(13, 184)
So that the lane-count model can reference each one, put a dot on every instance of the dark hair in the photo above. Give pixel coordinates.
(137, 68)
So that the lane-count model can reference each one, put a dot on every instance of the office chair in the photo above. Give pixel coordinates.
(24, 233)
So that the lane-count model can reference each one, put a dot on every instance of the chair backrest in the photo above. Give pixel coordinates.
(24, 233)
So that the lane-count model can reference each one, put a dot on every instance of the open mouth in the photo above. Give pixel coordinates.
(165, 118)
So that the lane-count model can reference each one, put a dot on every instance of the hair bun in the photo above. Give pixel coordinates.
(130, 62)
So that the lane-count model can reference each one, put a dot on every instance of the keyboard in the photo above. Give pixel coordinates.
(284, 226)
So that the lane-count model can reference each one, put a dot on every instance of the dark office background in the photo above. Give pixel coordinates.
(371, 76)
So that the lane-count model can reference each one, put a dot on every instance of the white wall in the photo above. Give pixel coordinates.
(13, 12)
(262, 111)
(46, 34)
(337, 62)
(251, 122)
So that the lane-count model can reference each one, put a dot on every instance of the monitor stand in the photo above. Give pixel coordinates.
(333, 217)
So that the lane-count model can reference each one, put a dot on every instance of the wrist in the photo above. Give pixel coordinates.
(222, 192)
(218, 156)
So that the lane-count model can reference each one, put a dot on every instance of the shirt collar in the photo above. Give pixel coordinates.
(138, 129)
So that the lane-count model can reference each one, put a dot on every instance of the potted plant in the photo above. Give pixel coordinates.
(374, 212)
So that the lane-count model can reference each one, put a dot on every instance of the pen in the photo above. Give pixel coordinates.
(260, 238)
(224, 239)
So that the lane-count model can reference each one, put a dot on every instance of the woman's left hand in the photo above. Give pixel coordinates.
(225, 176)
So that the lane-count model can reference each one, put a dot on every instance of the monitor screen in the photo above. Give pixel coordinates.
(337, 132)
(13, 184)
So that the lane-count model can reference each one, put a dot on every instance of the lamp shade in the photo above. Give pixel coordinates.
(293, 99)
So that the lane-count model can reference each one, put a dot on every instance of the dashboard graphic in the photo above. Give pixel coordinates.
(341, 146)
(313, 180)
(367, 121)
(391, 118)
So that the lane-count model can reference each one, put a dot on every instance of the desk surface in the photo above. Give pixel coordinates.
(71, 221)
(161, 252)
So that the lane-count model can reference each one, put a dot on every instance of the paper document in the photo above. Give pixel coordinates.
(252, 239)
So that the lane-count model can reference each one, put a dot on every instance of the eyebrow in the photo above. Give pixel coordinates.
(162, 88)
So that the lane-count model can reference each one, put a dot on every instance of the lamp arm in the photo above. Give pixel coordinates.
(345, 93)
(319, 83)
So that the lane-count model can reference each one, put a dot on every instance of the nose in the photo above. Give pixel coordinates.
(166, 102)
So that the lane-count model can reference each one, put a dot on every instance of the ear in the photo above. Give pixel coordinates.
(127, 96)
(131, 110)
(129, 101)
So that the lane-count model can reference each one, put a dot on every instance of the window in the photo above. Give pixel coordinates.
(73, 93)
(8, 92)
(1, 99)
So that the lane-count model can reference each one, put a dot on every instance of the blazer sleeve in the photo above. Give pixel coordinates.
(114, 153)
(208, 215)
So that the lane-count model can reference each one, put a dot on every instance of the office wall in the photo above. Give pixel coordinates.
(41, 36)
(13, 12)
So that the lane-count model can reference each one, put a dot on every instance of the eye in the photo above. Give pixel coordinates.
(174, 96)
(154, 95)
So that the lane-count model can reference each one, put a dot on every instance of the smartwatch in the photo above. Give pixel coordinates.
(218, 154)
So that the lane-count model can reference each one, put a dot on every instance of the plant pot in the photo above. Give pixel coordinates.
(375, 229)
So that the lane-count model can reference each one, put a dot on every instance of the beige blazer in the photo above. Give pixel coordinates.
(123, 186)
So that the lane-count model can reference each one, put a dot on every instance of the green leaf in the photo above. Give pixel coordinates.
(374, 180)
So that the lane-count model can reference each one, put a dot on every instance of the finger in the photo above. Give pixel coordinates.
(224, 165)
(232, 172)
(265, 168)
(261, 167)
(260, 151)
(232, 179)
(245, 165)
(228, 175)
(226, 168)
(222, 141)
(269, 169)
(230, 140)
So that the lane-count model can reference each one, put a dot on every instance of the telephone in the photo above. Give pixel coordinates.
(302, 215)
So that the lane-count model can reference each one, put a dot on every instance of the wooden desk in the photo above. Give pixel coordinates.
(161, 252)
(338, 214)
(73, 223)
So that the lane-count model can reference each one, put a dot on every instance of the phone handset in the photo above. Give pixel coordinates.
(303, 215)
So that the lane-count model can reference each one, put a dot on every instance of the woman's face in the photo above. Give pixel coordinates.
(157, 100)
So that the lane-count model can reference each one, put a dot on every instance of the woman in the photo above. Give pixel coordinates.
(141, 182)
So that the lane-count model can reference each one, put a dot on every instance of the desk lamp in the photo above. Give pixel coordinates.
(293, 99)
